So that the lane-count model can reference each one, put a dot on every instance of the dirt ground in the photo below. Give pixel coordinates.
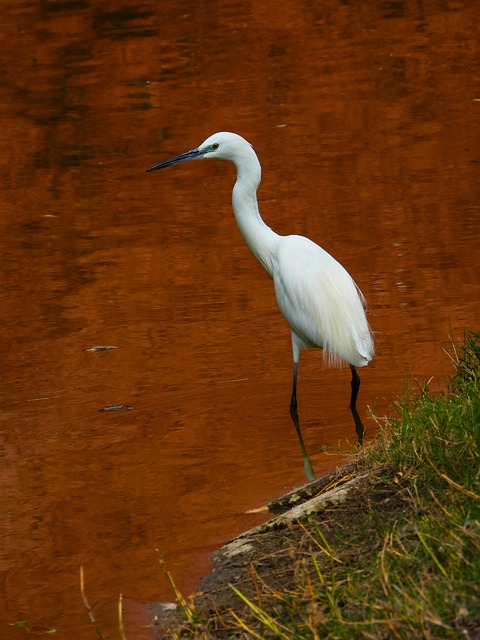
(273, 559)
(264, 555)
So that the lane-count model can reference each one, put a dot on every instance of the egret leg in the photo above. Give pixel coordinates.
(359, 428)
(293, 401)
(355, 387)
(307, 465)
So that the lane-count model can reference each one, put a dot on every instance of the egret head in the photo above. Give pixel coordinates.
(223, 145)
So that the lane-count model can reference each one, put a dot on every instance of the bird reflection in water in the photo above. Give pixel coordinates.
(307, 465)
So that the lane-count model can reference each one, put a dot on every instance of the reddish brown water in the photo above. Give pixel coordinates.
(365, 117)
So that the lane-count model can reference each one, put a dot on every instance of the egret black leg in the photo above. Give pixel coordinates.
(293, 401)
(355, 386)
(307, 465)
(359, 428)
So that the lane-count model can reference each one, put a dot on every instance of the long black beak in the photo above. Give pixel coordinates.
(183, 157)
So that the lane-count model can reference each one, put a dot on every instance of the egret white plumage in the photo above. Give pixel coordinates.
(316, 295)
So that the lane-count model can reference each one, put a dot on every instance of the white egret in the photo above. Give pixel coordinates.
(316, 295)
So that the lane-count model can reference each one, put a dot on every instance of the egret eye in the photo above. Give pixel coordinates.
(214, 146)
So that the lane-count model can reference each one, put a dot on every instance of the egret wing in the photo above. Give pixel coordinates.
(321, 302)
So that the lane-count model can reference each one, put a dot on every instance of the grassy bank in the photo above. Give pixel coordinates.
(399, 559)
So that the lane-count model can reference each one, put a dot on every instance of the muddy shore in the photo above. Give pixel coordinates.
(265, 547)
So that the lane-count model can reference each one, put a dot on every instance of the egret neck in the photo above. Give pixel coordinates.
(261, 240)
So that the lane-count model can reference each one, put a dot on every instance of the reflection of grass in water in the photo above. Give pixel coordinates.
(400, 558)
(121, 626)
(87, 605)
